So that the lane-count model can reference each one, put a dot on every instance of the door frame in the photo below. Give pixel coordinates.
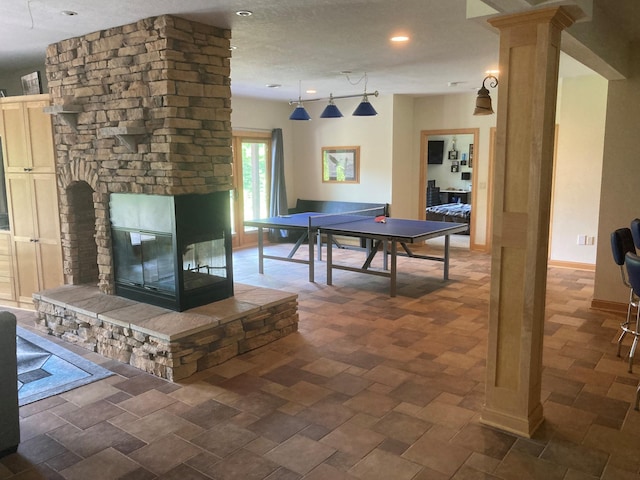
(422, 190)
(240, 238)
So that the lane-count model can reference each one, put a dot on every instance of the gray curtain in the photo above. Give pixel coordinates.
(278, 205)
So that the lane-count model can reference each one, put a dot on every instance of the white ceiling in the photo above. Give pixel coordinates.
(311, 41)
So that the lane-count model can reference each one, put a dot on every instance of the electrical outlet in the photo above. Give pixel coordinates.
(582, 239)
(591, 240)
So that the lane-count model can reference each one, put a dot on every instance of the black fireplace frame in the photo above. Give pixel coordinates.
(194, 218)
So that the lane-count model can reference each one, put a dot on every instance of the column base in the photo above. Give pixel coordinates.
(522, 426)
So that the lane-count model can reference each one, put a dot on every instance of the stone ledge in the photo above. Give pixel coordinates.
(172, 345)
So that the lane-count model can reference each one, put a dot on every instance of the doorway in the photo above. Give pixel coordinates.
(251, 180)
(448, 173)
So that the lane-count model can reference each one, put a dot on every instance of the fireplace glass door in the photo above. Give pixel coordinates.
(145, 259)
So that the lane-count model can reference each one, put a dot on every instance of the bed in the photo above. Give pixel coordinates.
(450, 212)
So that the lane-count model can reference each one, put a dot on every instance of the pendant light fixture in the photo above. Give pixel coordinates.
(483, 101)
(299, 113)
(331, 110)
(364, 109)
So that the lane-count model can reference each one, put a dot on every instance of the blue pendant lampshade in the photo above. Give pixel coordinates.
(300, 113)
(365, 109)
(331, 111)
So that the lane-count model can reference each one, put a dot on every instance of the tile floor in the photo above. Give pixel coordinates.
(370, 388)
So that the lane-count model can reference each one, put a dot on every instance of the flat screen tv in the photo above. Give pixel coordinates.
(435, 151)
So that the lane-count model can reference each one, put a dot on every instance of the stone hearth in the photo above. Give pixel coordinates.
(165, 343)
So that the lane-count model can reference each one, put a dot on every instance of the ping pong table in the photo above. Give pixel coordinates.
(379, 236)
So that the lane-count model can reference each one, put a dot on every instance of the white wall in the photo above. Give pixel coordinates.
(372, 134)
(403, 179)
(10, 80)
(620, 194)
(581, 114)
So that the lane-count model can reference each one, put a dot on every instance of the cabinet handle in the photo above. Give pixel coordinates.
(34, 240)
(28, 169)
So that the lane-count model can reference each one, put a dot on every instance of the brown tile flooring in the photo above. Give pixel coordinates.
(371, 387)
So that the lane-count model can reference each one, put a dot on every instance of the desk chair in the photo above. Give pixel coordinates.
(621, 245)
(635, 232)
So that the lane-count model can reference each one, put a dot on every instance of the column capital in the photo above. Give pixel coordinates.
(561, 17)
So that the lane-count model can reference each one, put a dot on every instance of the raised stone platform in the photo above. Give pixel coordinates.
(171, 345)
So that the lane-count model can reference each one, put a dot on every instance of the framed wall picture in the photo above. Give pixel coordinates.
(471, 155)
(341, 164)
(31, 84)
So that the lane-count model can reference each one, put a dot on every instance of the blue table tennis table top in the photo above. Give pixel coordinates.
(393, 228)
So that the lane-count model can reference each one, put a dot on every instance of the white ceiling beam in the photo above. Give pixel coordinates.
(594, 40)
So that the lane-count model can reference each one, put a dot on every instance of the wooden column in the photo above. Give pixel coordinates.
(529, 56)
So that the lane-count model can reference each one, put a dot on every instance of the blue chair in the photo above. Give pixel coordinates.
(621, 245)
(635, 232)
(632, 262)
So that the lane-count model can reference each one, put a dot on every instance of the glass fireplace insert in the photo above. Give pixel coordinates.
(172, 251)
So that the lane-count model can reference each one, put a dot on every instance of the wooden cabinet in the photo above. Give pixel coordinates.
(7, 290)
(33, 243)
(27, 135)
(34, 223)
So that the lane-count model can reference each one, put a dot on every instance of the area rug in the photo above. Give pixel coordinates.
(46, 369)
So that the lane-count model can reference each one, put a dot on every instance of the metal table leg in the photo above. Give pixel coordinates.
(260, 251)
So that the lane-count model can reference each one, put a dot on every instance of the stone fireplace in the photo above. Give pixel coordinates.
(143, 145)
(141, 109)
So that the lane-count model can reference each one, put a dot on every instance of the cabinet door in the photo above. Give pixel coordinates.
(39, 137)
(47, 231)
(6, 268)
(27, 133)
(26, 270)
(21, 211)
(14, 137)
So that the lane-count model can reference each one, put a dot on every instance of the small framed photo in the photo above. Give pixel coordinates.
(463, 162)
(455, 168)
(31, 84)
(340, 164)
(453, 154)
(471, 155)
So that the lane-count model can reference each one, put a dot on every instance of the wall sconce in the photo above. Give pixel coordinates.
(364, 109)
(483, 101)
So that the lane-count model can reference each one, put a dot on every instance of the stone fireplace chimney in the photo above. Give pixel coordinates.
(145, 109)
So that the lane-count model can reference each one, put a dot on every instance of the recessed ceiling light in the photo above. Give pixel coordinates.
(311, 91)
(244, 13)
(69, 13)
(400, 38)
(273, 85)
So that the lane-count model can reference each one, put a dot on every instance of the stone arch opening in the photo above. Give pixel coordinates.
(82, 249)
